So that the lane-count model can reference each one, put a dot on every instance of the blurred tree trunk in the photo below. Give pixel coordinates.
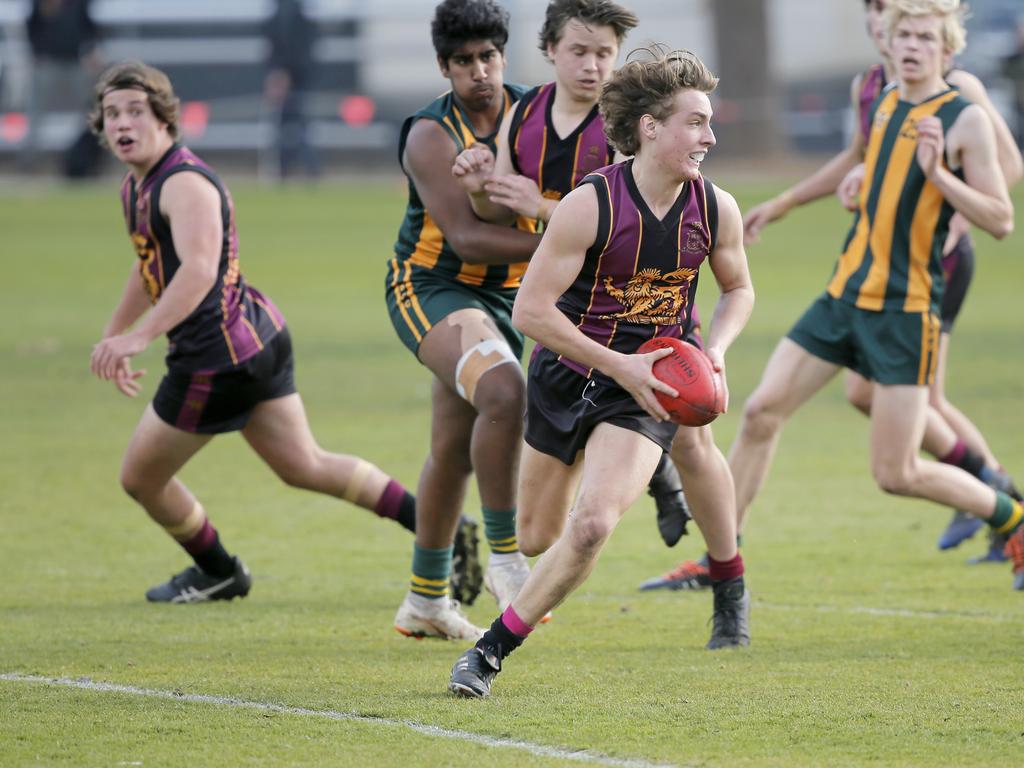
(747, 119)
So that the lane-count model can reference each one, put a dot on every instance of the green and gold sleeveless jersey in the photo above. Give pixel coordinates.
(420, 241)
(892, 258)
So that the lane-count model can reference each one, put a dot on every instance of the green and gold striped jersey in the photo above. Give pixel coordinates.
(420, 241)
(892, 256)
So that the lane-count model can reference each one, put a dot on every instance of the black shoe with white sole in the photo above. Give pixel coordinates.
(193, 585)
(474, 672)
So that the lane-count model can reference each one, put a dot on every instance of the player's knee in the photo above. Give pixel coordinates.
(133, 483)
(893, 478)
(589, 531)
(692, 445)
(501, 395)
(485, 371)
(535, 540)
(298, 470)
(762, 417)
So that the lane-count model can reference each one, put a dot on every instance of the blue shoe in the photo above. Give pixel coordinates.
(994, 554)
(962, 527)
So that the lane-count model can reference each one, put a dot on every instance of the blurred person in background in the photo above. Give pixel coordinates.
(950, 436)
(291, 73)
(929, 153)
(1013, 69)
(65, 59)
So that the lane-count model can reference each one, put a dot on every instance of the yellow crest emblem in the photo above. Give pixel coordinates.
(652, 298)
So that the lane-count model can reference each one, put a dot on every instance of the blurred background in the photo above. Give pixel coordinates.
(308, 88)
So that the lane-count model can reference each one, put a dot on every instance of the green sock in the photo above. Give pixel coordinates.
(500, 530)
(431, 569)
(1007, 516)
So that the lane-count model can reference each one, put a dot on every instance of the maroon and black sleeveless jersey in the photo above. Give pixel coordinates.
(872, 82)
(233, 321)
(639, 278)
(556, 164)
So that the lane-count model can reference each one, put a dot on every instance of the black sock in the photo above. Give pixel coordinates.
(972, 463)
(215, 560)
(407, 512)
(499, 639)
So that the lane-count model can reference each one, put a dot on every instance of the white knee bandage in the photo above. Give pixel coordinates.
(478, 360)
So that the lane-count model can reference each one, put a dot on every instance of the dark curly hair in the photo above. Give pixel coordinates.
(599, 13)
(647, 85)
(457, 22)
(140, 77)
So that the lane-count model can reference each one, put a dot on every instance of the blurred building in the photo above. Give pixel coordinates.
(375, 64)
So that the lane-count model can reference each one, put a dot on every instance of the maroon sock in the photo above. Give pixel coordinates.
(208, 553)
(398, 504)
(956, 453)
(723, 570)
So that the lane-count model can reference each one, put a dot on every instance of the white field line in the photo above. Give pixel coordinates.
(264, 706)
(904, 613)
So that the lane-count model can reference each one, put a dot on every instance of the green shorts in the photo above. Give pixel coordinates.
(418, 299)
(887, 347)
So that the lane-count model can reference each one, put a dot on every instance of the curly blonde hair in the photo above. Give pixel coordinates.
(951, 13)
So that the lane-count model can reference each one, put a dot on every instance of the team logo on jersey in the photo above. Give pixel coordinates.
(651, 298)
(696, 242)
(881, 118)
(147, 263)
(909, 129)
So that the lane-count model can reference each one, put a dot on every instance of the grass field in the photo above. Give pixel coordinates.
(870, 647)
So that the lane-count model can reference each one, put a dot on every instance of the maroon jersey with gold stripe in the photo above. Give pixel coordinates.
(233, 321)
(556, 164)
(639, 278)
(872, 82)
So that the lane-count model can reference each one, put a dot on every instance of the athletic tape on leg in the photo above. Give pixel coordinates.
(477, 361)
(356, 481)
(190, 526)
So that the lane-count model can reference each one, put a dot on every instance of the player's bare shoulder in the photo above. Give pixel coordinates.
(186, 190)
(730, 219)
(427, 144)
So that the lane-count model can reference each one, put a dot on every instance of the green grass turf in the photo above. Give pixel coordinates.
(870, 647)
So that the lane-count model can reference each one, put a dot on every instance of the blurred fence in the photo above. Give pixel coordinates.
(374, 64)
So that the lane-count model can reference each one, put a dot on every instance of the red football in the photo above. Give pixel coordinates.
(688, 371)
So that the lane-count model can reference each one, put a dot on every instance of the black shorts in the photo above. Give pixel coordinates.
(958, 266)
(563, 407)
(211, 402)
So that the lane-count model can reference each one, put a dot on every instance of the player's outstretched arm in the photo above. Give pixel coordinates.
(982, 197)
(729, 266)
(1007, 151)
(429, 157)
(554, 267)
(823, 182)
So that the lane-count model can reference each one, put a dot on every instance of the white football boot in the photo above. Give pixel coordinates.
(505, 576)
(421, 617)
